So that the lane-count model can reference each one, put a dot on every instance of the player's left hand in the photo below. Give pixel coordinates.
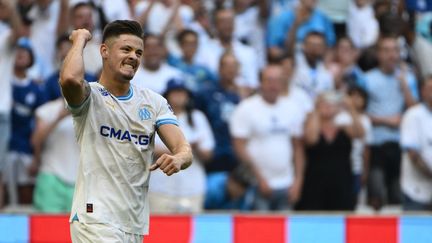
(169, 164)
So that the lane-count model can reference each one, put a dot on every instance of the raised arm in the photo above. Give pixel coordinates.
(14, 19)
(143, 18)
(355, 129)
(75, 89)
(312, 128)
(181, 153)
(63, 18)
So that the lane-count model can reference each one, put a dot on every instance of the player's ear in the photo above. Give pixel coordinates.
(104, 51)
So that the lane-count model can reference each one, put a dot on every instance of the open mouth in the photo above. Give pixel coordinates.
(129, 65)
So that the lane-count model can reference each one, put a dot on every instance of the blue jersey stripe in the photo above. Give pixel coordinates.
(166, 121)
(126, 97)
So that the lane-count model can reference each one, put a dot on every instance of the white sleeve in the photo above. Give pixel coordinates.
(410, 138)
(81, 110)
(205, 135)
(165, 114)
(239, 124)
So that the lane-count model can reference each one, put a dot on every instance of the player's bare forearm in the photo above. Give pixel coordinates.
(181, 151)
(72, 72)
(184, 155)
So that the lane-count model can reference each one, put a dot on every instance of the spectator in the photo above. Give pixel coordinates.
(385, 110)
(80, 16)
(249, 26)
(27, 96)
(218, 102)
(183, 192)
(420, 48)
(10, 31)
(291, 27)
(201, 23)
(56, 158)
(362, 25)
(311, 74)
(247, 79)
(416, 137)
(155, 16)
(197, 76)
(52, 87)
(154, 72)
(268, 140)
(344, 68)
(44, 17)
(290, 90)
(328, 177)
(360, 152)
(230, 190)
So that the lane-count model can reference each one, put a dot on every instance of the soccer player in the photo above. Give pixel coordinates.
(115, 125)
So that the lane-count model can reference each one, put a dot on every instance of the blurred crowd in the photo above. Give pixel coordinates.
(287, 104)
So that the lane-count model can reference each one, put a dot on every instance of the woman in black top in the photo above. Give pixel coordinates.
(328, 181)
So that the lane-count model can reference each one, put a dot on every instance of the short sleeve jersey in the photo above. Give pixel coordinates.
(116, 140)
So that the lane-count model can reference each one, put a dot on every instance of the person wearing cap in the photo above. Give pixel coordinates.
(183, 192)
(27, 96)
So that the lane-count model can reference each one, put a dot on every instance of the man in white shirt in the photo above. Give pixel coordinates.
(416, 141)
(154, 73)
(266, 131)
(115, 124)
(311, 74)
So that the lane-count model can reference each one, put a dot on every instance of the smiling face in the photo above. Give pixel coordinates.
(121, 56)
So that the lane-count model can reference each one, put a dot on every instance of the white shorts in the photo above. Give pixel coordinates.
(101, 233)
(15, 170)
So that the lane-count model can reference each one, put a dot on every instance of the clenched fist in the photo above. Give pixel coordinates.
(80, 35)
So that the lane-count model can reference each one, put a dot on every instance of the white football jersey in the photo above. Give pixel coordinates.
(116, 140)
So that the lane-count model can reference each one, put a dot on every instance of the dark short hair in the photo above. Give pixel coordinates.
(315, 33)
(182, 35)
(120, 27)
(362, 92)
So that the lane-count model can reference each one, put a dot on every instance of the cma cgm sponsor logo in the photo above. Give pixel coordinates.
(124, 135)
(103, 92)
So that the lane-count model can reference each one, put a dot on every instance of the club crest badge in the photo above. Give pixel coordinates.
(144, 114)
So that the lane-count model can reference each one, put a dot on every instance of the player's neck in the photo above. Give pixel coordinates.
(117, 88)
